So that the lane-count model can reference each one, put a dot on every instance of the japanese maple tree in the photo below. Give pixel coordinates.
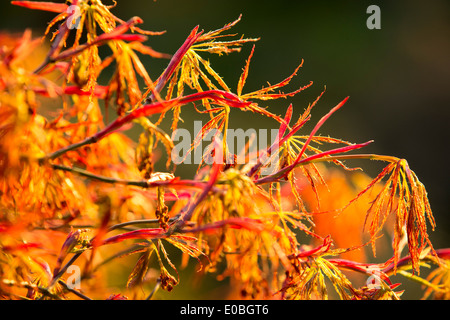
(76, 190)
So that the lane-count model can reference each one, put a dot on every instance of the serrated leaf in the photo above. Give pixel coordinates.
(140, 269)
(190, 249)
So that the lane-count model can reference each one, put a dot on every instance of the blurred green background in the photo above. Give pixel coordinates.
(398, 78)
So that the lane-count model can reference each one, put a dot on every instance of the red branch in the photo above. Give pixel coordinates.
(175, 62)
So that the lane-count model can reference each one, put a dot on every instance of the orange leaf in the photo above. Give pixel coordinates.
(139, 270)
(244, 74)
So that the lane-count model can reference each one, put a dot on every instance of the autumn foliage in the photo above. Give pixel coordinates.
(76, 190)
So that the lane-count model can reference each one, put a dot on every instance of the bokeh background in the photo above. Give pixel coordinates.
(398, 77)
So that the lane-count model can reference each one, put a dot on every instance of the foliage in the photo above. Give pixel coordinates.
(76, 190)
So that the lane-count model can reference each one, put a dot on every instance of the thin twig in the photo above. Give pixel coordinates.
(135, 222)
(157, 286)
(63, 270)
(90, 175)
(146, 184)
(75, 292)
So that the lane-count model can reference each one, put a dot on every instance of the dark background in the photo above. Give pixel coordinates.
(397, 77)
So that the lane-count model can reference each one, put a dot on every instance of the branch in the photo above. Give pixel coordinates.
(188, 210)
(175, 183)
(90, 175)
(157, 286)
(137, 222)
(150, 109)
(75, 292)
(63, 270)
(323, 156)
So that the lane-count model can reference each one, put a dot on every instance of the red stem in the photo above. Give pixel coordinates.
(150, 109)
(175, 62)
